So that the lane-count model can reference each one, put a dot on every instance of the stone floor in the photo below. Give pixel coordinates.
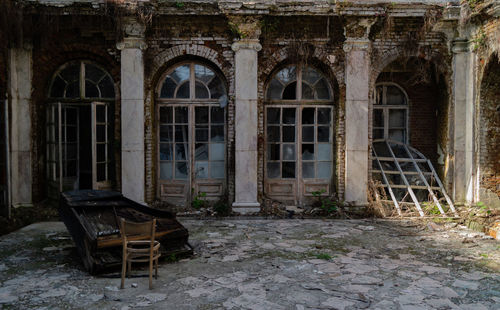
(268, 264)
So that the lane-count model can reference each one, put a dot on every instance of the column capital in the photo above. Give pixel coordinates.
(460, 45)
(357, 44)
(133, 35)
(137, 43)
(358, 27)
(248, 44)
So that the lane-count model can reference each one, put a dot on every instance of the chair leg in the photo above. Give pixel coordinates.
(124, 269)
(150, 273)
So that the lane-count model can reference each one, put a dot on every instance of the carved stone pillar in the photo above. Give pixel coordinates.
(246, 124)
(20, 83)
(357, 77)
(132, 110)
(463, 119)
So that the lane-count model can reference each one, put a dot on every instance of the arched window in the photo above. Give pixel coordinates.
(79, 130)
(299, 124)
(390, 113)
(191, 132)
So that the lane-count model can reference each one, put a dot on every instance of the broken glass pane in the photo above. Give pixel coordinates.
(201, 169)
(217, 169)
(273, 152)
(166, 170)
(217, 151)
(168, 88)
(288, 151)
(290, 92)
(183, 91)
(288, 170)
(273, 116)
(273, 170)
(324, 151)
(308, 134)
(216, 88)
(180, 73)
(217, 133)
(324, 170)
(308, 116)
(288, 133)
(289, 116)
(201, 91)
(308, 170)
(181, 170)
(203, 74)
(307, 151)
(201, 151)
(288, 74)
(181, 151)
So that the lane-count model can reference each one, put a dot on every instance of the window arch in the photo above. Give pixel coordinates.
(299, 125)
(191, 118)
(390, 113)
(82, 80)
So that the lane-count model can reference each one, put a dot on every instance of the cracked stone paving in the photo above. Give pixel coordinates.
(267, 264)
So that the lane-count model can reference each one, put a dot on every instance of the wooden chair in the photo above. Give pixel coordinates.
(139, 246)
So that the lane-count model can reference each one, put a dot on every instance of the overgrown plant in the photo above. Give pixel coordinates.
(325, 203)
(199, 200)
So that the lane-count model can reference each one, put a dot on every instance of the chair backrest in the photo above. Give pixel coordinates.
(137, 231)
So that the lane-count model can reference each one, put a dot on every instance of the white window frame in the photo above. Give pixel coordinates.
(386, 108)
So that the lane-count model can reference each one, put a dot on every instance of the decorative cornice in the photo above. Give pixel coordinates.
(248, 44)
(460, 45)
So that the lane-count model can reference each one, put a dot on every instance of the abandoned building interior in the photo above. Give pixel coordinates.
(250, 101)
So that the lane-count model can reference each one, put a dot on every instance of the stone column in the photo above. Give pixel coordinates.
(463, 118)
(132, 111)
(20, 82)
(357, 77)
(246, 124)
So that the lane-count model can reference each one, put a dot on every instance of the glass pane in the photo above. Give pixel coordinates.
(288, 151)
(273, 116)
(217, 115)
(180, 73)
(165, 115)
(324, 151)
(217, 151)
(168, 88)
(101, 172)
(200, 91)
(181, 115)
(71, 73)
(165, 151)
(274, 90)
(93, 73)
(307, 151)
(322, 89)
(273, 152)
(378, 134)
(216, 88)
(288, 170)
(100, 111)
(201, 134)
(308, 134)
(71, 151)
(378, 118)
(308, 116)
(323, 134)
(91, 90)
(181, 170)
(310, 75)
(101, 152)
(201, 115)
(203, 74)
(57, 89)
(394, 96)
(324, 115)
(201, 169)
(290, 91)
(183, 91)
(73, 90)
(181, 133)
(307, 92)
(107, 88)
(201, 151)
(289, 116)
(379, 95)
(397, 135)
(324, 170)
(308, 170)
(273, 134)
(288, 133)
(217, 170)
(273, 170)
(181, 151)
(71, 134)
(166, 133)
(101, 133)
(166, 171)
(397, 118)
(286, 75)
(217, 133)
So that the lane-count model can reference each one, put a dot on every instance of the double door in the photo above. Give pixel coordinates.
(78, 147)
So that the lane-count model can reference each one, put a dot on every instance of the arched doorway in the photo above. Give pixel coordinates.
(191, 133)
(80, 128)
(299, 126)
